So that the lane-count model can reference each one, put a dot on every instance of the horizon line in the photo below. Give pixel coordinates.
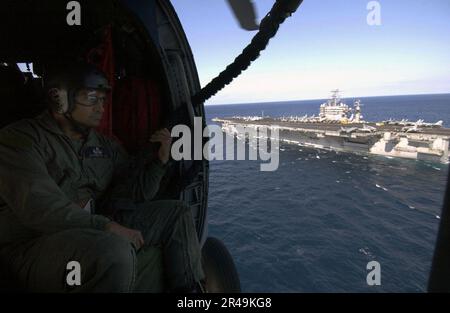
(311, 99)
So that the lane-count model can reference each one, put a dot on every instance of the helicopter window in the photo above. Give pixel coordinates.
(27, 68)
(21, 93)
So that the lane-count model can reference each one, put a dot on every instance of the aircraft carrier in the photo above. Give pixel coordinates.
(341, 128)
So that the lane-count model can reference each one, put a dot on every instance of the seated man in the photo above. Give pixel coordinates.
(53, 168)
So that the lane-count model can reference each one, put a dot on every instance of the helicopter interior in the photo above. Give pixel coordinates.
(148, 60)
(150, 84)
(149, 66)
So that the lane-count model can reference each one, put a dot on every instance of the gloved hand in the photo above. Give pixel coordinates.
(163, 136)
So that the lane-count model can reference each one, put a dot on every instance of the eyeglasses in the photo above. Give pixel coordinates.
(90, 99)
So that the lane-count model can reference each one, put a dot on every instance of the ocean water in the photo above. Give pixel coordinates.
(315, 223)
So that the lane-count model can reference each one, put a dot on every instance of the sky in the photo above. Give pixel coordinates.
(326, 44)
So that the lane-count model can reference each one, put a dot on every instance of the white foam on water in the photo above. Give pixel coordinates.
(366, 251)
(381, 187)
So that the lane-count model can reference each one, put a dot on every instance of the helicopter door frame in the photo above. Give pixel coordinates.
(439, 279)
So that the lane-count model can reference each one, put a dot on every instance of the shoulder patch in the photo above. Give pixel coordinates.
(15, 140)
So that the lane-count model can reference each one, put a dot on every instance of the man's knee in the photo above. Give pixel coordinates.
(113, 263)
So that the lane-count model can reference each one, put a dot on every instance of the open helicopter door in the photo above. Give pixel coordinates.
(220, 270)
(195, 192)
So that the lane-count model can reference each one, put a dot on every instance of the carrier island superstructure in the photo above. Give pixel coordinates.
(342, 128)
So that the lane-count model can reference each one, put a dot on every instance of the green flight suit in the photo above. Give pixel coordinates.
(46, 179)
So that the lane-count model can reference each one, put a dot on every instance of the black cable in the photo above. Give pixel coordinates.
(267, 29)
